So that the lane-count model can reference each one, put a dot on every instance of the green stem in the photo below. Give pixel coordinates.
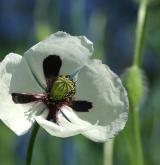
(127, 137)
(138, 53)
(108, 152)
(139, 40)
(31, 144)
(137, 138)
(133, 139)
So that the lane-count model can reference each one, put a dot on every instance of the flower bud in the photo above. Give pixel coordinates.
(135, 84)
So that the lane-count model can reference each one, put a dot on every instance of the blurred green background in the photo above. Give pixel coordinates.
(111, 26)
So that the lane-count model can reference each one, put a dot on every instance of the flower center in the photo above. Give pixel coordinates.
(62, 88)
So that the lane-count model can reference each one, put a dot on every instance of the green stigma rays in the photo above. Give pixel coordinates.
(63, 87)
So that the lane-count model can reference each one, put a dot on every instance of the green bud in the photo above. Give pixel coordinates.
(133, 82)
(63, 87)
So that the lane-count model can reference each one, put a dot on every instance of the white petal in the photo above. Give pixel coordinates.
(104, 133)
(23, 81)
(74, 52)
(16, 116)
(56, 130)
(99, 85)
(64, 128)
(68, 112)
(95, 132)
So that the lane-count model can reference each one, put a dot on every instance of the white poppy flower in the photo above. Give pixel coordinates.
(67, 93)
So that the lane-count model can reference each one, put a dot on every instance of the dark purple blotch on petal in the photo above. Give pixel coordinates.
(51, 66)
(19, 98)
(53, 109)
(81, 106)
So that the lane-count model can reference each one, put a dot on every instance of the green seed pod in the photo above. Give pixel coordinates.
(63, 87)
(134, 83)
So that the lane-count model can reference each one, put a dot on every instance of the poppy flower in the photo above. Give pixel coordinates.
(57, 84)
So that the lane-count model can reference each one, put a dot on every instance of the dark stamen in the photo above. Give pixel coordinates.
(19, 98)
(81, 106)
(51, 66)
